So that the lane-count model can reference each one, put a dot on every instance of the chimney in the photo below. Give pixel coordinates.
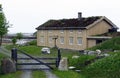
(79, 15)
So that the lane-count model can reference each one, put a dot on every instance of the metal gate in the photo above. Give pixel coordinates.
(14, 56)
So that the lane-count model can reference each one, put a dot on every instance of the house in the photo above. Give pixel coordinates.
(77, 33)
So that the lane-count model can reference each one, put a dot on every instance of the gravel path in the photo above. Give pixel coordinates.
(28, 73)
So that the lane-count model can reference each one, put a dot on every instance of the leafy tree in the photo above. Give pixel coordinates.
(19, 36)
(3, 25)
(14, 40)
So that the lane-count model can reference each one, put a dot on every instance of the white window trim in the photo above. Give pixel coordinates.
(49, 31)
(50, 39)
(61, 31)
(61, 40)
(70, 41)
(78, 42)
(42, 39)
(79, 31)
(71, 31)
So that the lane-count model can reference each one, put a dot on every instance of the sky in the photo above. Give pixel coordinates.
(25, 15)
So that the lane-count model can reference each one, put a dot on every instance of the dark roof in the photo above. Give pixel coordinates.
(68, 23)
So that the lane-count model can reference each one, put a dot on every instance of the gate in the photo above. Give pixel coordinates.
(14, 56)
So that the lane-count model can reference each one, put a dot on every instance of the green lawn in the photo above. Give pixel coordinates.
(68, 74)
(38, 74)
(11, 75)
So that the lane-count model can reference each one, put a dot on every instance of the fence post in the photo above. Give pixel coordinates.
(14, 54)
(58, 58)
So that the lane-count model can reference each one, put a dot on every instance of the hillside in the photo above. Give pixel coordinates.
(112, 44)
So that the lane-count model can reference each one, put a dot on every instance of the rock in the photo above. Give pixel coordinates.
(72, 67)
(75, 56)
(91, 53)
(106, 55)
(63, 65)
(78, 71)
(98, 52)
(7, 66)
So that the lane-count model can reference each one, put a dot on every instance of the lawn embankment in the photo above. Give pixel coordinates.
(112, 44)
(68, 74)
(108, 67)
(38, 74)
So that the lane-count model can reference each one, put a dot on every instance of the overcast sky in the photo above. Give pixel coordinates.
(26, 15)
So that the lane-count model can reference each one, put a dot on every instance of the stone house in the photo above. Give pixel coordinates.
(77, 33)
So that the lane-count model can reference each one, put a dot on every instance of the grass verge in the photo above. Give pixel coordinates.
(38, 74)
(68, 74)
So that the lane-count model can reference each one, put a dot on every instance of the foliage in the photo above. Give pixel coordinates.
(19, 36)
(34, 42)
(113, 44)
(80, 63)
(14, 40)
(108, 67)
(68, 74)
(3, 26)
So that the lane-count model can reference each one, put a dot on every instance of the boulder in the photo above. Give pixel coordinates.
(63, 65)
(75, 56)
(7, 66)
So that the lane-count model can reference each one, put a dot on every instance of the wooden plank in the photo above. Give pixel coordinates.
(37, 58)
(35, 63)
(33, 69)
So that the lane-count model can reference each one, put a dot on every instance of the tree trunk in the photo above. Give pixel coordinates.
(1, 40)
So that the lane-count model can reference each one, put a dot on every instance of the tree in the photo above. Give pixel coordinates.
(14, 40)
(19, 36)
(3, 25)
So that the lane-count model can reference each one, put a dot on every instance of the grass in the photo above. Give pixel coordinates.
(80, 63)
(38, 74)
(112, 44)
(68, 74)
(36, 51)
(11, 75)
(108, 67)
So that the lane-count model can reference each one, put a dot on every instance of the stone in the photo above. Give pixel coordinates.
(7, 66)
(72, 67)
(63, 65)
(98, 52)
(75, 56)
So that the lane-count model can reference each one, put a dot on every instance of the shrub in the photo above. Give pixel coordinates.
(34, 42)
(79, 63)
(113, 44)
(108, 67)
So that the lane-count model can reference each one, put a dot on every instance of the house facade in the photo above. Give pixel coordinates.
(78, 34)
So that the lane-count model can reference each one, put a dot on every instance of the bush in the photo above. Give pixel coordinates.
(34, 42)
(79, 63)
(108, 67)
(113, 44)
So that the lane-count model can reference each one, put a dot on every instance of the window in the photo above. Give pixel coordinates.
(50, 39)
(79, 40)
(71, 40)
(50, 31)
(62, 40)
(42, 39)
(41, 31)
(61, 31)
(71, 31)
(79, 31)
